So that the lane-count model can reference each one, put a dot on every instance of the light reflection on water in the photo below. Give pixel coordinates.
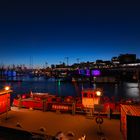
(124, 90)
(132, 90)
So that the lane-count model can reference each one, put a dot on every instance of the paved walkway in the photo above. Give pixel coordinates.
(32, 120)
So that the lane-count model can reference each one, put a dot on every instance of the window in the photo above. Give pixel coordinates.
(84, 94)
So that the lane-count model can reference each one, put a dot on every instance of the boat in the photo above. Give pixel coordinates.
(90, 100)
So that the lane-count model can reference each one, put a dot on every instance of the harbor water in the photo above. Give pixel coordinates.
(116, 91)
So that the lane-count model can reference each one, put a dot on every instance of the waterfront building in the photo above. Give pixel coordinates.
(127, 58)
(115, 61)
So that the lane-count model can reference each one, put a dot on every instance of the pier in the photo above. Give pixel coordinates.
(54, 122)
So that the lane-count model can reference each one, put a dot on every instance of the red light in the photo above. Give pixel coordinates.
(23, 96)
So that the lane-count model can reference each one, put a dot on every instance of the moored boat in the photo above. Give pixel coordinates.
(91, 99)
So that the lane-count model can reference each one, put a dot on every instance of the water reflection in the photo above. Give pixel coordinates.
(94, 86)
(59, 88)
(131, 85)
(115, 91)
(125, 90)
(132, 90)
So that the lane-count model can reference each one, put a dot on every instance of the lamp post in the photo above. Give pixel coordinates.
(7, 88)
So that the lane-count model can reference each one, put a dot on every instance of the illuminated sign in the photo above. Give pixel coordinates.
(96, 72)
(81, 71)
(88, 72)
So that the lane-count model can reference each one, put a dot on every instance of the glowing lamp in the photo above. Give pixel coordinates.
(98, 93)
(7, 88)
(23, 96)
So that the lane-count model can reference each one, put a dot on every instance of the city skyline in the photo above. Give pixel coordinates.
(52, 31)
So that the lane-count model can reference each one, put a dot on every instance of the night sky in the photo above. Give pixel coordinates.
(44, 31)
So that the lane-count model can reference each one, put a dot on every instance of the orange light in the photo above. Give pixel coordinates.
(7, 88)
(98, 93)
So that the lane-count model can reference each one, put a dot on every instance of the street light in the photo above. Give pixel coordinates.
(7, 88)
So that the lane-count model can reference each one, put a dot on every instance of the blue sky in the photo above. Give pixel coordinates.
(51, 31)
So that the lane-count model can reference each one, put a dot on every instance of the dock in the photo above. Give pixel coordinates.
(54, 122)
